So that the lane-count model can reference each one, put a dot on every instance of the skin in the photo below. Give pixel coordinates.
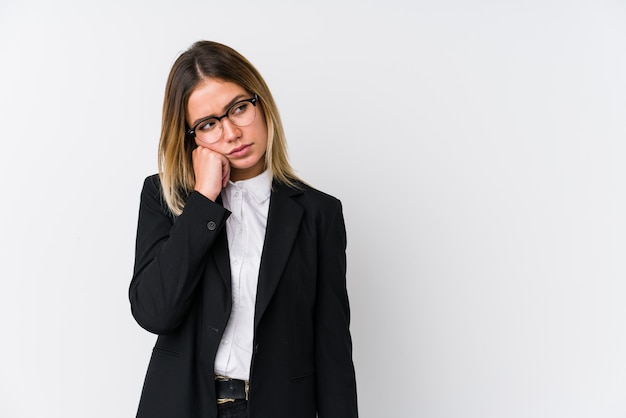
(240, 153)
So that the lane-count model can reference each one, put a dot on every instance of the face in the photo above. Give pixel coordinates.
(243, 146)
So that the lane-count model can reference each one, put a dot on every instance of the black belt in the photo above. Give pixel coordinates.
(228, 390)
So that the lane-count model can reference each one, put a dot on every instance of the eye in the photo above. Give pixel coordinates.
(239, 108)
(206, 125)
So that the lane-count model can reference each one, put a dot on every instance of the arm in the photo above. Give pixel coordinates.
(169, 256)
(335, 377)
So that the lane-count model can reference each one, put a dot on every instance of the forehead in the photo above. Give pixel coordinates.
(212, 97)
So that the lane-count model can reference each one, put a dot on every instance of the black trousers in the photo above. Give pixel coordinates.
(237, 409)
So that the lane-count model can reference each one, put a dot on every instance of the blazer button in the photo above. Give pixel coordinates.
(211, 226)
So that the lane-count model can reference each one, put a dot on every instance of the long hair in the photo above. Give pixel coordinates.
(206, 59)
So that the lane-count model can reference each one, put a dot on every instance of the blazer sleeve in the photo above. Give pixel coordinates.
(335, 376)
(169, 256)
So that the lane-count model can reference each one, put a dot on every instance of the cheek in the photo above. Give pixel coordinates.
(263, 135)
(264, 139)
(213, 147)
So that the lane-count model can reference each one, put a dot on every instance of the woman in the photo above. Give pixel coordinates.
(240, 266)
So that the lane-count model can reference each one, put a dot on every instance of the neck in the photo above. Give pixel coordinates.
(237, 174)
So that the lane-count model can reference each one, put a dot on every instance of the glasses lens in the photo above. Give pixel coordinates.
(209, 131)
(242, 113)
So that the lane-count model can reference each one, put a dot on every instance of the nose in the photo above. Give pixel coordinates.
(230, 131)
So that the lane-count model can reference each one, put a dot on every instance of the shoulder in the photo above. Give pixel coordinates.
(309, 197)
(320, 197)
(152, 195)
(321, 211)
(152, 188)
(152, 182)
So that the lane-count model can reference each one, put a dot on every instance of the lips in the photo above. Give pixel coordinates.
(240, 150)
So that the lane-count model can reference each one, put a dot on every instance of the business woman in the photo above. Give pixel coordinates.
(240, 267)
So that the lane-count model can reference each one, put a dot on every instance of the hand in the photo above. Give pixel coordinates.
(212, 171)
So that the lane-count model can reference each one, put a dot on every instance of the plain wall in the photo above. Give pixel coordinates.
(478, 148)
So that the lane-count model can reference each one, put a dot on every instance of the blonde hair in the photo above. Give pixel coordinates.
(206, 59)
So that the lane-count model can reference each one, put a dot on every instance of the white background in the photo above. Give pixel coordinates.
(478, 148)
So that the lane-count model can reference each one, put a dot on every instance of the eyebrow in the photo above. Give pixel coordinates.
(228, 105)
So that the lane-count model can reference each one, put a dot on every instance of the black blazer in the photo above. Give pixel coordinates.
(181, 290)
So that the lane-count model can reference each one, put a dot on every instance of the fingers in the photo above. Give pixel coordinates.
(225, 171)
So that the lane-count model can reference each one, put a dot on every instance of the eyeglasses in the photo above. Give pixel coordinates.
(210, 130)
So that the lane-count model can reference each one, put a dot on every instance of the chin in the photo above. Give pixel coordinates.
(245, 163)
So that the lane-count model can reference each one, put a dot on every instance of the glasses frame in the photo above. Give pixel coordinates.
(192, 132)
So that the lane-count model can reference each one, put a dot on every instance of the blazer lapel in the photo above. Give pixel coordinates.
(283, 222)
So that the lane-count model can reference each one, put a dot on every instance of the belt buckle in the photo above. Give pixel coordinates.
(221, 401)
